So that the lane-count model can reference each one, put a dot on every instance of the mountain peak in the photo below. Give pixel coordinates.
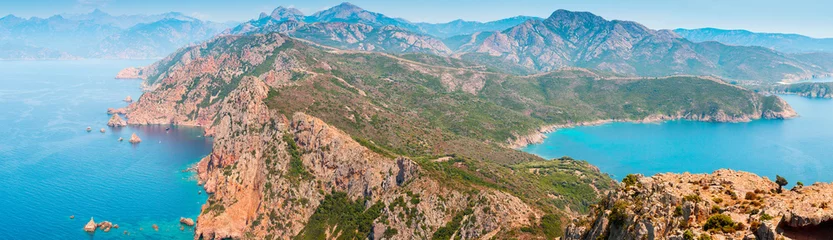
(283, 13)
(562, 15)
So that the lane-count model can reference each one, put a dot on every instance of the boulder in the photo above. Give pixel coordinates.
(90, 227)
(89, 129)
(112, 111)
(155, 227)
(134, 139)
(186, 221)
(72, 217)
(102, 130)
(116, 121)
(128, 99)
(121, 139)
(105, 226)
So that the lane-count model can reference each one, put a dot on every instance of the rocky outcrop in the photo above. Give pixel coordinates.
(130, 73)
(91, 226)
(112, 111)
(666, 206)
(134, 139)
(128, 99)
(105, 226)
(116, 121)
(186, 221)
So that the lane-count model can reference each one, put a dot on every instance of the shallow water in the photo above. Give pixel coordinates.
(799, 149)
(51, 167)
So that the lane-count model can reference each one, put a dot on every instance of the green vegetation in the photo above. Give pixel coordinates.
(618, 214)
(630, 180)
(688, 235)
(721, 222)
(693, 198)
(781, 181)
(445, 232)
(296, 170)
(349, 219)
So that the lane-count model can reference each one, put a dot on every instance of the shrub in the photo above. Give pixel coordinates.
(720, 222)
(630, 180)
(766, 217)
(799, 183)
(678, 211)
(751, 196)
(688, 235)
(704, 237)
(715, 209)
(618, 214)
(693, 198)
(717, 200)
(781, 181)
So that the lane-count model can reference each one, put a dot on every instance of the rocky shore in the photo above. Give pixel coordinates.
(725, 204)
(130, 73)
(537, 136)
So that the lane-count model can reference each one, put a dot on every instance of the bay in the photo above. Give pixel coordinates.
(800, 149)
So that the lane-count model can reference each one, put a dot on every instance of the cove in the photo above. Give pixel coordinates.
(800, 149)
(52, 168)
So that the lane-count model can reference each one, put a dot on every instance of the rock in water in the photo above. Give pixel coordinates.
(89, 129)
(72, 217)
(90, 227)
(134, 139)
(186, 221)
(129, 73)
(112, 111)
(105, 226)
(102, 130)
(116, 121)
(128, 99)
(155, 227)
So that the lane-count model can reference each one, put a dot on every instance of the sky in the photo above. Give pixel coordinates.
(808, 17)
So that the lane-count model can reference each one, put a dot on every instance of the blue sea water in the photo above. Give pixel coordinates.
(51, 167)
(799, 149)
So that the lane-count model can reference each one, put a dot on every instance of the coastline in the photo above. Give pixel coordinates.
(538, 136)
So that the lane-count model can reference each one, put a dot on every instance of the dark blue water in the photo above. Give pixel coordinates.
(51, 168)
(799, 149)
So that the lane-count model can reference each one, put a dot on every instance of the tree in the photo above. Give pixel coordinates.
(781, 181)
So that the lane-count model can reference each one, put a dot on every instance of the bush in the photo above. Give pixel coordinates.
(720, 222)
(781, 181)
(716, 209)
(766, 217)
(693, 198)
(630, 180)
(618, 214)
(751, 196)
(688, 235)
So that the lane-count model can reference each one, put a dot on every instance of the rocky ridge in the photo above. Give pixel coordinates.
(671, 206)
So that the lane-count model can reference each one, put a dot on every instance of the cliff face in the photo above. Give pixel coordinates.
(315, 143)
(725, 204)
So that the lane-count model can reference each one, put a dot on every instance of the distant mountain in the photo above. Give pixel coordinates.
(125, 21)
(346, 26)
(349, 13)
(156, 39)
(101, 35)
(462, 27)
(790, 43)
(581, 39)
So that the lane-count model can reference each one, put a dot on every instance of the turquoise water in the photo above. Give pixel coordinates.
(799, 149)
(51, 168)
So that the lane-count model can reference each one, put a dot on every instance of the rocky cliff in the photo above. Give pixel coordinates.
(313, 142)
(725, 204)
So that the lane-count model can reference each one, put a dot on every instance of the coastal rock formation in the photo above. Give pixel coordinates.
(116, 121)
(725, 204)
(105, 226)
(186, 221)
(128, 99)
(112, 111)
(134, 139)
(102, 130)
(130, 73)
(91, 226)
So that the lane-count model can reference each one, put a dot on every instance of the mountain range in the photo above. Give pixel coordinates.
(527, 45)
(790, 43)
(101, 35)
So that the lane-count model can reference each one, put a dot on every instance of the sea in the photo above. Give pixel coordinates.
(799, 149)
(51, 168)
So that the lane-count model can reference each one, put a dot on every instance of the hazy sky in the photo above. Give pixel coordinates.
(808, 17)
